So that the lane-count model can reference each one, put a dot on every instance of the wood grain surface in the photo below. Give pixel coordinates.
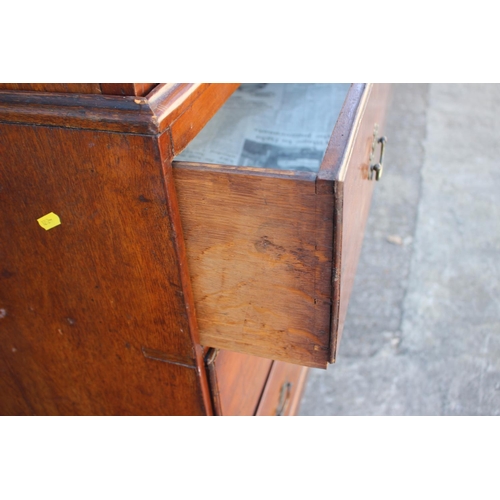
(86, 303)
(273, 254)
(283, 391)
(181, 109)
(345, 171)
(98, 314)
(177, 238)
(185, 108)
(259, 253)
(79, 111)
(185, 128)
(237, 381)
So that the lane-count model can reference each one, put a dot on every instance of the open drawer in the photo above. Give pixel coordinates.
(272, 249)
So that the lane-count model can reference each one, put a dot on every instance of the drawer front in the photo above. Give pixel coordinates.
(353, 150)
(236, 381)
(272, 254)
(283, 390)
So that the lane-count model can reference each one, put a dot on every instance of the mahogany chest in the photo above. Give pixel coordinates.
(178, 249)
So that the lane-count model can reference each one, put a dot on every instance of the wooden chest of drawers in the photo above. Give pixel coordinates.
(169, 287)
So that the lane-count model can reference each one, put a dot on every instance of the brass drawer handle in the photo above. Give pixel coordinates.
(378, 168)
(285, 392)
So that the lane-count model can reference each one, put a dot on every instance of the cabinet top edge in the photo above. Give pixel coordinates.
(150, 115)
(81, 111)
(127, 89)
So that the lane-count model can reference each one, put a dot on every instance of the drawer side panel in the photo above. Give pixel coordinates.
(260, 256)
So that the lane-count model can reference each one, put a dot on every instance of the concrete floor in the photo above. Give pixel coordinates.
(423, 329)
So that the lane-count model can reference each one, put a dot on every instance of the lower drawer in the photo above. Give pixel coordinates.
(243, 385)
(283, 391)
(272, 253)
(236, 381)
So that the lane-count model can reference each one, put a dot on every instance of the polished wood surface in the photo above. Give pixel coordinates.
(177, 238)
(237, 381)
(117, 276)
(346, 171)
(79, 111)
(94, 319)
(153, 268)
(199, 113)
(283, 391)
(273, 253)
(180, 109)
(259, 254)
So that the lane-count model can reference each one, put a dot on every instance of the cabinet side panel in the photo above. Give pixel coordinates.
(259, 251)
(93, 314)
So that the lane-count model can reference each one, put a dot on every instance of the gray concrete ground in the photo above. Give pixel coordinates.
(423, 329)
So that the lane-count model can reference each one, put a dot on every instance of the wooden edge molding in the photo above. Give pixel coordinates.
(169, 100)
(330, 181)
(81, 111)
(253, 171)
(152, 114)
(343, 136)
(210, 358)
(336, 267)
(339, 150)
(164, 149)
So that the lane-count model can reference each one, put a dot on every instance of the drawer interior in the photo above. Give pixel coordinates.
(279, 126)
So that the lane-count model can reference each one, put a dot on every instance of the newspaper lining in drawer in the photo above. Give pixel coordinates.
(278, 126)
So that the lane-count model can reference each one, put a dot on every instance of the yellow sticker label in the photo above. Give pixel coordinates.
(49, 221)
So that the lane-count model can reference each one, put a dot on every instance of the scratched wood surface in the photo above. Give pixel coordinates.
(93, 317)
(259, 252)
(237, 381)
